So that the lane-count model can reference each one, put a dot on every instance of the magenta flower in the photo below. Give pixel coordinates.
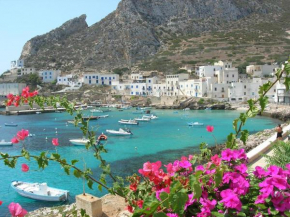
(21, 135)
(185, 164)
(242, 168)
(55, 141)
(199, 167)
(227, 155)
(260, 172)
(260, 199)
(16, 210)
(209, 129)
(24, 168)
(190, 201)
(14, 140)
(275, 170)
(230, 200)
(172, 214)
(167, 190)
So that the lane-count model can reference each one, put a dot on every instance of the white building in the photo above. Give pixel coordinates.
(282, 95)
(49, 75)
(193, 88)
(17, 64)
(13, 88)
(243, 91)
(172, 83)
(208, 71)
(100, 79)
(261, 70)
(69, 80)
(27, 71)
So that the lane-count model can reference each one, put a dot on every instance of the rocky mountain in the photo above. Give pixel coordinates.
(140, 29)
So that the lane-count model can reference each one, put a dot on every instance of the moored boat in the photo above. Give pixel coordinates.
(4, 143)
(102, 137)
(143, 119)
(39, 191)
(103, 116)
(152, 117)
(11, 125)
(128, 122)
(96, 111)
(120, 132)
(91, 118)
(82, 141)
(191, 124)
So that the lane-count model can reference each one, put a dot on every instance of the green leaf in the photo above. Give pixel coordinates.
(73, 162)
(217, 214)
(241, 214)
(100, 187)
(159, 214)
(218, 178)
(231, 141)
(178, 202)
(25, 154)
(197, 191)
(263, 102)
(55, 156)
(77, 173)
(67, 169)
(164, 198)
(90, 184)
(244, 136)
(287, 83)
(235, 124)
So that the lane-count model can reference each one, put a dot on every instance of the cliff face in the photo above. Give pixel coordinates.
(134, 31)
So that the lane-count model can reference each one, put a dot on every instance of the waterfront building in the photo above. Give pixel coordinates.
(13, 88)
(49, 75)
(282, 94)
(208, 71)
(26, 71)
(100, 79)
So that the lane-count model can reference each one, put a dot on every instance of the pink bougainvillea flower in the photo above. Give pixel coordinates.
(260, 172)
(10, 96)
(172, 214)
(21, 135)
(1, 202)
(24, 168)
(140, 203)
(55, 141)
(227, 155)
(231, 200)
(199, 167)
(167, 190)
(130, 209)
(216, 160)
(209, 129)
(14, 140)
(16, 210)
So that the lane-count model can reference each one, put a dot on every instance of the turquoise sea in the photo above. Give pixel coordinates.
(165, 139)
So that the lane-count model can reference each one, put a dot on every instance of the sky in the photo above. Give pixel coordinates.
(21, 20)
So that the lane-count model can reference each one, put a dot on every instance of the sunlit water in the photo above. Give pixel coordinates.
(165, 139)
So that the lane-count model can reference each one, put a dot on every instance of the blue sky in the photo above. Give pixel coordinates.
(21, 20)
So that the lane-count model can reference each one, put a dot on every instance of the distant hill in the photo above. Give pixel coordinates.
(163, 35)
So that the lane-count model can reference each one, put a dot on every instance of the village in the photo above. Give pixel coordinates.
(220, 81)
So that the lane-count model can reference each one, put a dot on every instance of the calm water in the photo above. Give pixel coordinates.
(166, 139)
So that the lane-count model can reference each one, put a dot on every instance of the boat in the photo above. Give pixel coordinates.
(31, 135)
(191, 124)
(39, 191)
(37, 113)
(11, 125)
(82, 141)
(4, 143)
(106, 110)
(90, 118)
(96, 111)
(152, 117)
(143, 119)
(73, 122)
(208, 108)
(102, 137)
(103, 116)
(128, 122)
(186, 109)
(120, 132)
(146, 108)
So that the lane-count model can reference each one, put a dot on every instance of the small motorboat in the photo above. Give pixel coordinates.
(191, 124)
(143, 119)
(128, 122)
(102, 137)
(152, 117)
(39, 191)
(208, 108)
(91, 118)
(106, 110)
(31, 135)
(120, 132)
(103, 116)
(11, 125)
(37, 113)
(73, 122)
(146, 108)
(186, 109)
(81, 142)
(4, 143)
(96, 111)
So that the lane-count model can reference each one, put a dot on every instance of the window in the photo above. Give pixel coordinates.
(245, 93)
(102, 78)
(105, 77)
(113, 78)
(109, 78)
(59, 79)
(102, 82)
(45, 73)
(50, 77)
(132, 86)
(215, 89)
(233, 76)
(63, 79)
(245, 86)
(97, 81)
(50, 73)
(149, 81)
(97, 77)
(136, 86)
(132, 93)
(90, 81)
(94, 76)
(227, 76)
(45, 77)
(89, 77)
(86, 76)
(110, 82)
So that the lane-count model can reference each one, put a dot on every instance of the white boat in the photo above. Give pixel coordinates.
(31, 135)
(11, 125)
(152, 117)
(73, 122)
(39, 191)
(208, 108)
(4, 143)
(37, 113)
(186, 109)
(103, 116)
(143, 119)
(128, 122)
(120, 132)
(82, 141)
(191, 124)
(96, 111)
(146, 108)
